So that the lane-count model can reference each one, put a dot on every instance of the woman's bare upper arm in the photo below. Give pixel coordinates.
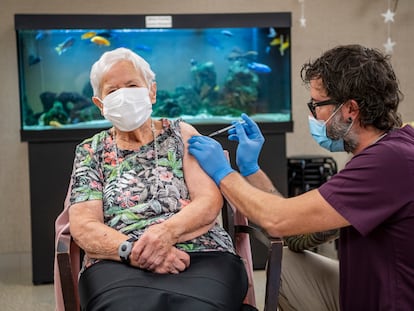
(83, 212)
(197, 180)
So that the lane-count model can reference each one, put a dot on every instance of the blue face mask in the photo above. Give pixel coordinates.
(318, 131)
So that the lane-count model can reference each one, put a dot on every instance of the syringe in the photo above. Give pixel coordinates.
(224, 129)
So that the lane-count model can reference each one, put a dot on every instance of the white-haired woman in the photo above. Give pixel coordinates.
(143, 210)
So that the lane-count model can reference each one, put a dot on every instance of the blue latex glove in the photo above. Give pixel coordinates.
(210, 156)
(250, 140)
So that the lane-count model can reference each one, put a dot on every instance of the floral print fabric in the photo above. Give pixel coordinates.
(141, 187)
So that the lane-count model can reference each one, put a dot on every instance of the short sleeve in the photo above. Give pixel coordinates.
(87, 174)
(370, 188)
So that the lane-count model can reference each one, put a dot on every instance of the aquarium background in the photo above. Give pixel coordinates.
(207, 74)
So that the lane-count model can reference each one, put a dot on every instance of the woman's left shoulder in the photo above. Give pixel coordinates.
(185, 128)
(188, 128)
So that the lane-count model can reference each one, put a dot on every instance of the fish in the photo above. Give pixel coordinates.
(275, 41)
(98, 40)
(272, 32)
(283, 46)
(33, 60)
(237, 54)
(251, 54)
(88, 35)
(281, 42)
(55, 123)
(227, 33)
(143, 47)
(62, 47)
(40, 35)
(259, 68)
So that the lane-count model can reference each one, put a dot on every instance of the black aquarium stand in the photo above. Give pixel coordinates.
(50, 166)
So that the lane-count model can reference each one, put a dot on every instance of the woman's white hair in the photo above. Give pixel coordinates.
(108, 59)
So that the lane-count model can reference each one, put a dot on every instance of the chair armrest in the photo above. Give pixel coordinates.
(67, 281)
(274, 246)
(274, 270)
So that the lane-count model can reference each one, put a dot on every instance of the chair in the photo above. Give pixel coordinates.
(67, 261)
(239, 229)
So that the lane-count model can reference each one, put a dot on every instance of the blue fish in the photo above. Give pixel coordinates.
(33, 60)
(62, 47)
(143, 47)
(272, 33)
(40, 35)
(227, 33)
(258, 67)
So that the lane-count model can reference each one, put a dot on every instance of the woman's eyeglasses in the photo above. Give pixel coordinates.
(312, 105)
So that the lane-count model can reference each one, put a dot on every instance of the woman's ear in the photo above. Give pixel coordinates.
(98, 103)
(153, 92)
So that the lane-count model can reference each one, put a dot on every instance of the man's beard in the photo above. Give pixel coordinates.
(339, 128)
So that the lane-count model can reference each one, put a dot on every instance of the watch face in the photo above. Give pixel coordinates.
(124, 251)
(124, 247)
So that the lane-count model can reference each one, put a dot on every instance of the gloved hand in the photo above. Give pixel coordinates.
(210, 156)
(250, 140)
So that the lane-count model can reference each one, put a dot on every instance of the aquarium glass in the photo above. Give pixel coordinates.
(205, 75)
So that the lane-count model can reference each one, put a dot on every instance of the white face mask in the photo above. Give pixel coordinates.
(127, 108)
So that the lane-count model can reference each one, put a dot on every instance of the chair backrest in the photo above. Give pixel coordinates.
(67, 262)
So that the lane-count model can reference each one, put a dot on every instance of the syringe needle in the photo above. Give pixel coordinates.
(224, 129)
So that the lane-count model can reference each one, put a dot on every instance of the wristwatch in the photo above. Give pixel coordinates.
(125, 249)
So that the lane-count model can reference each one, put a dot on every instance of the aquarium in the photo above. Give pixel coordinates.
(209, 68)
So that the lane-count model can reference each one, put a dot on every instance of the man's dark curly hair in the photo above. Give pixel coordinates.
(363, 74)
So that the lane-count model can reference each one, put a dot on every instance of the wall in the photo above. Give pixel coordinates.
(329, 23)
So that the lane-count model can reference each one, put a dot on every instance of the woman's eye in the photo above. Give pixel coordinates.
(110, 91)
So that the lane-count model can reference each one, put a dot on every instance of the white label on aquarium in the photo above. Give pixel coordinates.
(158, 21)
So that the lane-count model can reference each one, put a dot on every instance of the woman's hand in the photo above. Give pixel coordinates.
(174, 262)
(155, 251)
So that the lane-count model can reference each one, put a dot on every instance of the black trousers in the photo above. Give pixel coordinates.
(213, 281)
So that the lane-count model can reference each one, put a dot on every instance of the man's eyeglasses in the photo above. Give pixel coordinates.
(312, 105)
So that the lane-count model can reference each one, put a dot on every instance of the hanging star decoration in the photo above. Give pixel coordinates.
(388, 19)
(302, 19)
(388, 16)
(389, 46)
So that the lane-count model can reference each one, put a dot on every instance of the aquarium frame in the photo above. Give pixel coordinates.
(120, 21)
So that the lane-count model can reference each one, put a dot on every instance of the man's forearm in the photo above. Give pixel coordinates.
(257, 205)
(261, 181)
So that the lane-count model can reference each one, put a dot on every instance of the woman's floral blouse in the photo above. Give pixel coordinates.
(137, 189)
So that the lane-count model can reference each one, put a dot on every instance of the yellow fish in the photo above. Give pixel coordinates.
(275, 41)
(55, 123)
(100, 41)
(283, 46)
(88, 35)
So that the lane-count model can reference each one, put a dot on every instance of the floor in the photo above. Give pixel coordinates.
(17, 292)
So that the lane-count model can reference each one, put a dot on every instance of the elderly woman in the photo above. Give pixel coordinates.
(143, 210)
